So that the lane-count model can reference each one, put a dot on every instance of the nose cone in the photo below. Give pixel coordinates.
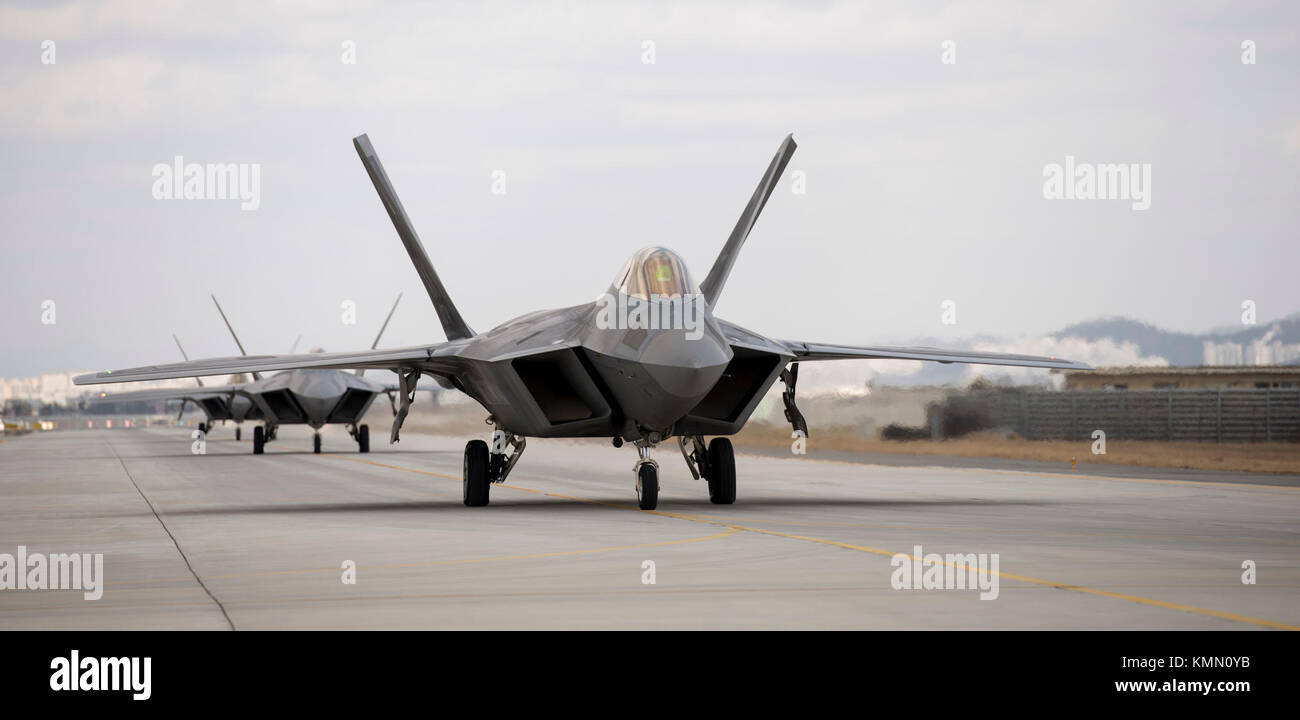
(683, 367)
(658, 376)
(318, 391)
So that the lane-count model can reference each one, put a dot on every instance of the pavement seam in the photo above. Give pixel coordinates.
(167, 530)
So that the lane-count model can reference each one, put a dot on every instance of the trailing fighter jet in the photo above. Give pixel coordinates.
(218, 402)
(645, 363)
(310, 397)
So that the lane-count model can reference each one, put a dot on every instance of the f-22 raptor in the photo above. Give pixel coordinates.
(314, 397)
(647, 362)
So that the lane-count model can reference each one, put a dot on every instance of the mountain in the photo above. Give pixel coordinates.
(1277, 338)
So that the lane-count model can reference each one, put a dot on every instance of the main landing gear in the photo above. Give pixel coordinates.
(483, 468)
(362, 435)
(262, 434)
(315, 443)
(237, 434)
(716, 463)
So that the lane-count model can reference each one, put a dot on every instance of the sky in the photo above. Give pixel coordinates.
(924, 132)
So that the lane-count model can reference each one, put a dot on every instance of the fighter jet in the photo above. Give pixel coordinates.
(218, 402)
(645, 363)
(310, 397)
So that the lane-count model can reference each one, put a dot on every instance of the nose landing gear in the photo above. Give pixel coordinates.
(647, 477)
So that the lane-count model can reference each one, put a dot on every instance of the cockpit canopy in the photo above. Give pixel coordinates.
(655, 272)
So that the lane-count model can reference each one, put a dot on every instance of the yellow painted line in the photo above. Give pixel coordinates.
(434, 563)
(876, 551)
(1033, 473)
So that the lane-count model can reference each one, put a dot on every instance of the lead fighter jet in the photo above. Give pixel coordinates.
(584, 371)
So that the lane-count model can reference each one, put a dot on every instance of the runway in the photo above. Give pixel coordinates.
(232, 540)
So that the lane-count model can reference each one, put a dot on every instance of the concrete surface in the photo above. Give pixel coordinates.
(229, 539)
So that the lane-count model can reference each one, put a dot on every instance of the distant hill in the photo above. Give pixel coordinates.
(1183, 348)
(1103, 342)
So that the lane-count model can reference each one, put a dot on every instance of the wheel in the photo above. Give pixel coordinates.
(722, 472)
(647, 486)
(315, 443)
(203, 428)
(238, 434)
(475, 481)
(363, 438)
(259, 440)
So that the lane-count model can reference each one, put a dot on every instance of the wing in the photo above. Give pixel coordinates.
(438, 359)
(195, 394)
(804, 351)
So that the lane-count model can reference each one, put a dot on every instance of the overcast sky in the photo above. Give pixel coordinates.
(924, 180)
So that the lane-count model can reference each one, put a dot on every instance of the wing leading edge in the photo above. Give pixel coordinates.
(804, 352)
(194, 394)
(437, 359)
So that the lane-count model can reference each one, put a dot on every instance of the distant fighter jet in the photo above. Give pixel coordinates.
(310, 397)
(218, 402)
(646, 362)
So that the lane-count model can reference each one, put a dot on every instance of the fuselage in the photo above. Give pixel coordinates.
(313, 397)
(635, 363)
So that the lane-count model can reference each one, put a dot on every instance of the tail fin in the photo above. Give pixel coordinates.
(452, 323)
(382, 328)
(256, 376)
(712, 285)
(187, 359)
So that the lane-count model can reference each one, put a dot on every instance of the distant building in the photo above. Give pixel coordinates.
(1185, 378)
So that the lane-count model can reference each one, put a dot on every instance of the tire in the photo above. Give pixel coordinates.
(474, 480)
(203, 428)
(722, 472)
(259, 440)
(315, 443)
(647, 487)
(238, 434)
(363, 438)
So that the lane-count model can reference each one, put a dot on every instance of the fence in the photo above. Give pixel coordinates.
(1231, 416)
